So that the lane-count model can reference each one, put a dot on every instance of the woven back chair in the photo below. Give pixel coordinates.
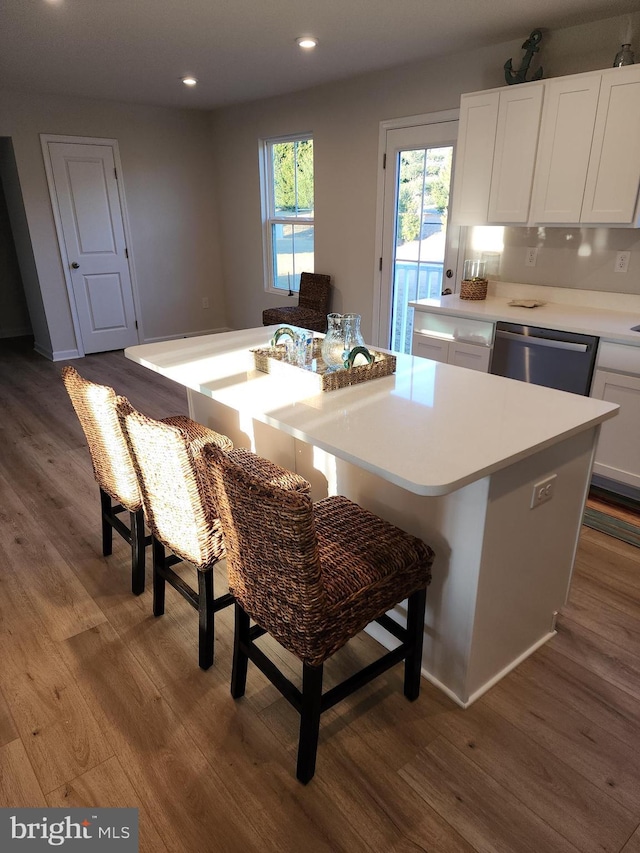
(313, 576)
(112, 467)
(179, 511)
(312, 308)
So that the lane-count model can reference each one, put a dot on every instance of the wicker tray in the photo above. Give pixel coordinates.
(320, 377)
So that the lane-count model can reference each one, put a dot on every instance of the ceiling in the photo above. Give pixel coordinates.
(239, 50)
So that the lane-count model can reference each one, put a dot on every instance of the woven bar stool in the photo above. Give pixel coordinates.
(313, 576)
(112, 467)
(179, 511)
(95, 406)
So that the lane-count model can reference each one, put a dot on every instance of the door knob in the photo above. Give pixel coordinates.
(75, 266)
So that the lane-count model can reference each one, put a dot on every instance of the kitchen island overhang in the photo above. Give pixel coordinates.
(448, 454)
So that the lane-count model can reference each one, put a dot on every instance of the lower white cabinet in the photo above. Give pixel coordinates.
(618, 451)
(474, 356)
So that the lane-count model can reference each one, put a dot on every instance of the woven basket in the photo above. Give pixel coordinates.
(271, 360)
(473, 288)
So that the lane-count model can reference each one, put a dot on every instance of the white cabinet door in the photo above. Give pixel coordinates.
(568, 120)
(474, 158)
(432, 348)
(613, 178)
(468, 355)
(515, 153)
(452, 352)
(618, 451)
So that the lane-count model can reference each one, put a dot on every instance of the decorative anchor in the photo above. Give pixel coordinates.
(520, 76)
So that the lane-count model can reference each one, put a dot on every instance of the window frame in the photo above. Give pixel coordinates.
(267, 204)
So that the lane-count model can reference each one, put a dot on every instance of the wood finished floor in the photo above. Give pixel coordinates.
(103, 705)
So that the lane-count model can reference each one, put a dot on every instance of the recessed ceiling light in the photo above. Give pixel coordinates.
(307, 42)
(189, 81)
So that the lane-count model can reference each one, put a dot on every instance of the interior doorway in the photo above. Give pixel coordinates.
(418, 249)
(84, 177)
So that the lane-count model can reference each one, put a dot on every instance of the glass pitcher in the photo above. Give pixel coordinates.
(333, 343)
(352, 334)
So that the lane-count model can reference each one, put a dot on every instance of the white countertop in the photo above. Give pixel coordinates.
(608, 325)
(430, 428)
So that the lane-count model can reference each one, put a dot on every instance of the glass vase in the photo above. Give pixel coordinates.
(624, 56)
(352, 334)
(333, 343)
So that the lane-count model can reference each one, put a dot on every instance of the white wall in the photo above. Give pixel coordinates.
(168, 181)
(344, 118)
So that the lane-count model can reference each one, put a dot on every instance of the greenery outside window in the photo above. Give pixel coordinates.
(287, 210)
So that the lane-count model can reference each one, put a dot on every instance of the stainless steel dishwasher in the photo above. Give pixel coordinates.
(562, 360)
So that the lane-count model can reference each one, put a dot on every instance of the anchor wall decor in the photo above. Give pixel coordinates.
(531, 46)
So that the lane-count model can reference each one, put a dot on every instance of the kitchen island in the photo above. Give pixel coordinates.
(461, 459)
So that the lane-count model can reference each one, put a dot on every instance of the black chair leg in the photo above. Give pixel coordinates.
(205, 618)
(107, 529)
(309, 722)
(416, 606)
(137, 551)
(158, 579)
(240, 657)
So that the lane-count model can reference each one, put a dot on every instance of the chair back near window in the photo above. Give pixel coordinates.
(175, 503)
(273, 560)
(315, 292)
(95, 406)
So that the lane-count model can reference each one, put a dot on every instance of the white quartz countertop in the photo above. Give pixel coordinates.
(608, 325)
(430, 428)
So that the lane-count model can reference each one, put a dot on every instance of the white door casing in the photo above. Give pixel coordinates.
(425, 131)
(88, 209)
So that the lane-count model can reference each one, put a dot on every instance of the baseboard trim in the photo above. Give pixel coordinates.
(188, 335)
(61, 355)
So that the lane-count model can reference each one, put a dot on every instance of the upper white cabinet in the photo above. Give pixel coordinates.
(565, 145)
(611, 191)
(515, 153)
(497, 140)
(573, 159)
(474, 157)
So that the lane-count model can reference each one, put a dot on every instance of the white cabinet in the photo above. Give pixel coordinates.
(474, 157)
(574, 159)
(495, 157)
(565, 145)
(611, 191)
(453, 339)
(618, 450)
(515, 153)
(469, 355)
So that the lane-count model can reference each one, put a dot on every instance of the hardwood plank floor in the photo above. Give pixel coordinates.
(101, 704)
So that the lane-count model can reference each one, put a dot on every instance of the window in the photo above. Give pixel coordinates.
(287, 210)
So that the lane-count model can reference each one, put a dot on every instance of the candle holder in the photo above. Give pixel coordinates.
(474, 284)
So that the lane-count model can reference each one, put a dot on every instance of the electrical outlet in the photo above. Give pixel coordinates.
(531, 257)
(543, 491)
(622, 262)
(205, 302)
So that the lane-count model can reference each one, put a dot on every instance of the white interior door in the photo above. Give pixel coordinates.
(84, 191)
(419, 248)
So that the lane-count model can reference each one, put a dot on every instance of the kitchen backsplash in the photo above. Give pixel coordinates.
(581, 258)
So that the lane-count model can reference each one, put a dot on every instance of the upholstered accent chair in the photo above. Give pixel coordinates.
(312, 308)
(313, 576)
(179, 511)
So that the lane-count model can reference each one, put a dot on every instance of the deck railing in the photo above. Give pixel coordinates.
(412, 280)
